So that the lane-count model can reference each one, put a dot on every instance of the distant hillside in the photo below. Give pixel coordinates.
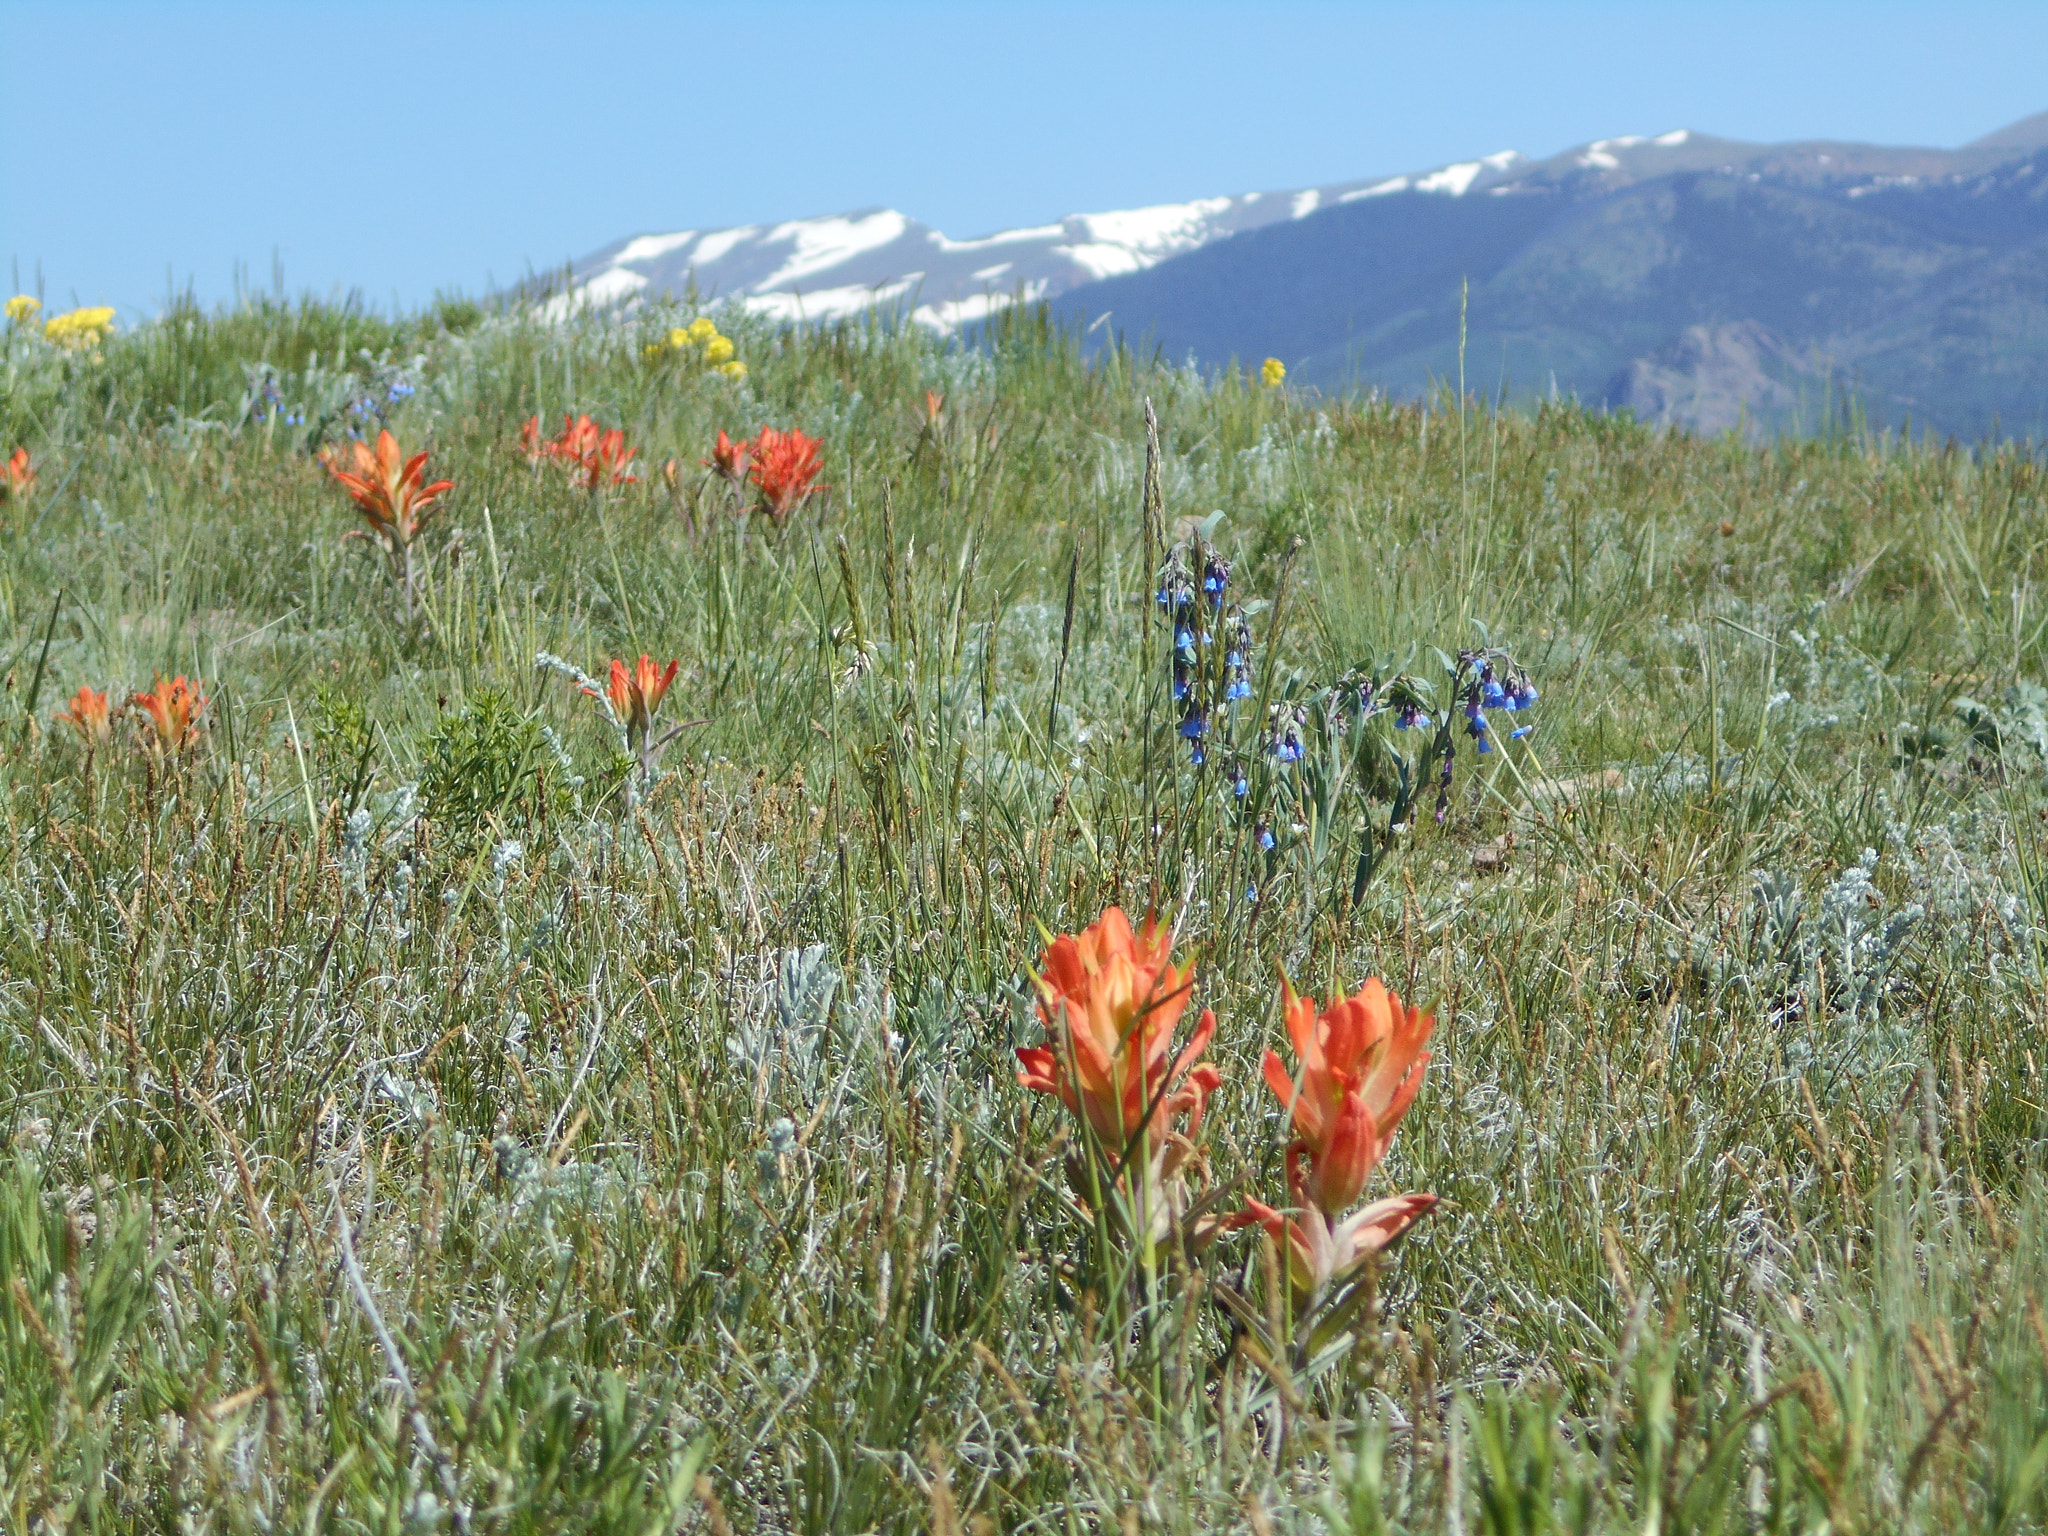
(1691, 279)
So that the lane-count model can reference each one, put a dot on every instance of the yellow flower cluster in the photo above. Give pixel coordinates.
(701, 337)
(79, 327)
(22, 308)
(1272, 373)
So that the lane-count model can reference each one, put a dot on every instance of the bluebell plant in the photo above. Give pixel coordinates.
(1310, 766)
(1211, 656)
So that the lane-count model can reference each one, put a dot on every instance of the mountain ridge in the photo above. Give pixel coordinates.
(838, 264)
(1915, 283)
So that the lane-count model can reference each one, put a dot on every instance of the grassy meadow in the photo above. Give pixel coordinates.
(412, 1119)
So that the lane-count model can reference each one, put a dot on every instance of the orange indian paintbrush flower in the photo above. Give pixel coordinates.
(730, 458)
(17, 475)
(637, 694)
(604, 460)
(579, 436)
(388, 487)
(1110, 1000)
(1319, 1252)
(173, 706)
(1362, 1061)
(585, 448)
(785, 465)
(90, 717)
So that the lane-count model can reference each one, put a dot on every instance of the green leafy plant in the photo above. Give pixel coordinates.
(492, 770)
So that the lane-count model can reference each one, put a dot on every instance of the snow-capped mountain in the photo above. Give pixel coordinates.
(824, 268)
(819, 269)
(1687, 278)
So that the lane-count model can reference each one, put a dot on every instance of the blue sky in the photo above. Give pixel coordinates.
(405, 149)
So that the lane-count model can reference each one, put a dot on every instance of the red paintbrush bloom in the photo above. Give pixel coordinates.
(173, 708)
(934, 402)
(1111, 1000)
(785, 465)
(387, 487)
(1319, 1251)
(730, 458)
(637, 694)
(1361, 1064)
(17, 475)
(579, 436)
(1362, 1061)
(604, 460)
(90, 717)
(591, 454)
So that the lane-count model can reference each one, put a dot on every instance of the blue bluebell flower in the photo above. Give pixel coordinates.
(1519, 732)
(1477, 726)
(1237, 661)
(1196, 756)
(1251, 895)
(1283, 741)
(1195, 725)
(1215, 577)
(1521, 695)
(1412, 718)
(1240, 786)
(1263, 836)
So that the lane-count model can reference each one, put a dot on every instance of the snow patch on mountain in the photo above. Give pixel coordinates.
(715, 246)
(827, 303)
(654, 247)
(824, 268)
(822, 244)
(1378, 189)
(1157, 232)
(1005, 237)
